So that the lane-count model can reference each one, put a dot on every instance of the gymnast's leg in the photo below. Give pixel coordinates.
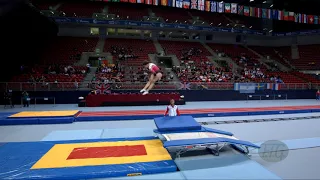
(152, 83)
(148, 83)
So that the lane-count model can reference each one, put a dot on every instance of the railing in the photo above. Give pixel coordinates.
(70, 86)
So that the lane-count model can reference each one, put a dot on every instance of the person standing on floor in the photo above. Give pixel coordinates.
(318, 95)
(172, 109)
(26, 99)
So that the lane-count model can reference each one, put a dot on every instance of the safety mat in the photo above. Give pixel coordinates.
(84, 159)
(26, 114)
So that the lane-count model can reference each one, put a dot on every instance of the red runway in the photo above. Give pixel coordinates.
(195, 111)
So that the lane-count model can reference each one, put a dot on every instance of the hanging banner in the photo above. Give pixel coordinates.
(234, 8)
(201, 5)
(213, 6)
(194, 4)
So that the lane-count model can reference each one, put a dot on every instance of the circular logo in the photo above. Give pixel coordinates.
(273, 151)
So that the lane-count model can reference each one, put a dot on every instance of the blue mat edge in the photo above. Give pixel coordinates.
(198, 115)
(6, 121)
(165, 166)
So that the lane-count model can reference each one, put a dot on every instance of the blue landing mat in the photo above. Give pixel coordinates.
(28, 121)
(167, 176)
(177, 123)
(99, 134)
(73, 135)
(16, 165)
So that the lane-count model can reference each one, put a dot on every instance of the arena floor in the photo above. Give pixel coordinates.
(300, 164)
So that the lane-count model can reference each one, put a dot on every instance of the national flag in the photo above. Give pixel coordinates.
(103, 89)
(115, 0)
(234, 8)
(201, 5)
(164, 2)
(258, 12)
(247, 87)
(172, 3)
(310, 19)
(285, 16)
(185, 86)
(300, 18)
(186, 4)
(316, 19)
(148, 2)
(269, 13)
(213, 6)
(269, 85)
(124, 0)
(221, 7)
(240, 9)
(132, 1)
(252, 11)
(194, 4)
(179, 3)
(264, 13)
(208, 5)
(276, 87)
(296, 18)
(140, 1)
(260, 86)
(291, 16)
(275, 14)
(156, 2)
(246, 11)
(280, 15)
(304, 19)
(227, 8)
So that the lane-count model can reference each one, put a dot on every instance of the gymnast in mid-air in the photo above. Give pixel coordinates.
(155, 75)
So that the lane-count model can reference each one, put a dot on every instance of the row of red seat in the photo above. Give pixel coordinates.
(65, 49)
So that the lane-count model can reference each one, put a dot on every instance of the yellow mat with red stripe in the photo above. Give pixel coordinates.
(103, 153)
(30, 114)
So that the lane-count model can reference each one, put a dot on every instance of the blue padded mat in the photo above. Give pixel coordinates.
(28, 121)
(19, 121)
(73, 135)
(173, 176)
(98, 133)
(203, 129)
(127, 132)
(16, 165)
(188, 142)
(56, 120)
(176, 123)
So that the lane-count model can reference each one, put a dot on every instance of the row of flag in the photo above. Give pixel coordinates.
(252, 87)
(234, 8)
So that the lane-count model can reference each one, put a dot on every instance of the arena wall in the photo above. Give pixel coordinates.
(71, 97)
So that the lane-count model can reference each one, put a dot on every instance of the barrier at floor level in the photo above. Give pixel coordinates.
(42, 118)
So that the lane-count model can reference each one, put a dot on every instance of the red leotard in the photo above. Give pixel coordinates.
(153, 68)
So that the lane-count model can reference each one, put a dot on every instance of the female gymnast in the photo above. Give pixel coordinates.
(172, 109)
(155, 75)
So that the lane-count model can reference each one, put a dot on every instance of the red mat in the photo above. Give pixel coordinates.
(196, 111)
